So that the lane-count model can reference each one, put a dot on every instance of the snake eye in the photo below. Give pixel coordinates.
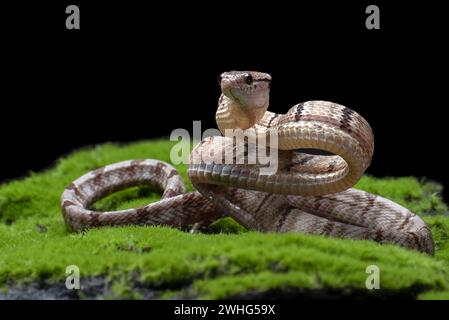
(249, 79)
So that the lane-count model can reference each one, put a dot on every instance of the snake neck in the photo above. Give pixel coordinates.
(231, 115)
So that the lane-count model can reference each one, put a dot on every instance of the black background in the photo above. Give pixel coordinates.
(139, 71)
(285, 309)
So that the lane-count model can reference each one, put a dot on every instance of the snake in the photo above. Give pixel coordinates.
(309, 192)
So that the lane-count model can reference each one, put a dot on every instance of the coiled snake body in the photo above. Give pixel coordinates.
(308, 193)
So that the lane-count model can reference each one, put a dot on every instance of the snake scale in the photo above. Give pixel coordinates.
(309, 193)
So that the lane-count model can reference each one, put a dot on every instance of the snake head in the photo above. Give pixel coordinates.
(249, 89)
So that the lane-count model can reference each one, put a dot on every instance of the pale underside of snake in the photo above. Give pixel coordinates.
(308, 193)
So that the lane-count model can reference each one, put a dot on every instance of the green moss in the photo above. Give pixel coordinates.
(440, 232)
(432, 295)
(224, 261)
(422, 197)
(225, 225)
(123, 289)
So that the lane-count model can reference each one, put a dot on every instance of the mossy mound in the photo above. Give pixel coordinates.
(225, 261)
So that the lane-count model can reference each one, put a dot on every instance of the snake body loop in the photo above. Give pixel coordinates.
(307, 193)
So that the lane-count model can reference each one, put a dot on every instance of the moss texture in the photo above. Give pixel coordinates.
(225, 261)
